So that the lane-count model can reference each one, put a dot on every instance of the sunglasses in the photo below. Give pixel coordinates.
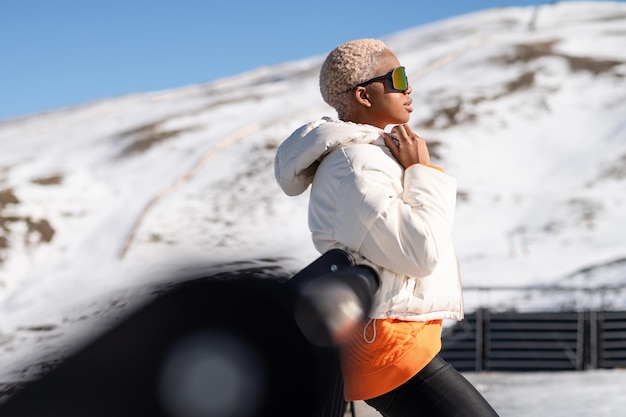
(398, 77)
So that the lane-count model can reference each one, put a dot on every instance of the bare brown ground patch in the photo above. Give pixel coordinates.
(55, 179)
(37, 230)
(527, 52)
(142, 138)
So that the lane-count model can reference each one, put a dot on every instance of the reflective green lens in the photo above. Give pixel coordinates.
(399, 79)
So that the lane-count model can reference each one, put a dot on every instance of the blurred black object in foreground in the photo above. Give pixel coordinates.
(239, 347)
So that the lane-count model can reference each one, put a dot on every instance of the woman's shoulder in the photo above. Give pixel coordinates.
(371, 155)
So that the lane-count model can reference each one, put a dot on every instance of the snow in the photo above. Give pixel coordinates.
(546, 394)
(519, 104)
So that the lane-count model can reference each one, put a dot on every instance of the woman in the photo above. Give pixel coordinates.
(376, 195)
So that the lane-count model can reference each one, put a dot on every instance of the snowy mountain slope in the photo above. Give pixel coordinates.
(525, 106)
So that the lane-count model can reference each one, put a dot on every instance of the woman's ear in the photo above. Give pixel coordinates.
(361, 96)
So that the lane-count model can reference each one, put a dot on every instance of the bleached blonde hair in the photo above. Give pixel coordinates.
(347, 65)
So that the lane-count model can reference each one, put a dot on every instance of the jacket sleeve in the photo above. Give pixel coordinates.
(403, 228)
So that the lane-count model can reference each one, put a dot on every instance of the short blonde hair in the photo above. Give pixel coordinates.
(347, 65)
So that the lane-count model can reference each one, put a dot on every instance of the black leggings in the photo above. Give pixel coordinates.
(438, 390)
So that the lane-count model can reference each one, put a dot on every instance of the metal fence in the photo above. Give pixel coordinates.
(490, 339)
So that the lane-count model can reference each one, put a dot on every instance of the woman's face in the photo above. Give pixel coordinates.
(388, 106)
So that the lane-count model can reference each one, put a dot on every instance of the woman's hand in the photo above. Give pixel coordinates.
(409, 149)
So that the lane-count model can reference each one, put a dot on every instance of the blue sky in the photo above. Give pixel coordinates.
(58, 53)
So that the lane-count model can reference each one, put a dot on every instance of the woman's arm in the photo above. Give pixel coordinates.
(406, 230)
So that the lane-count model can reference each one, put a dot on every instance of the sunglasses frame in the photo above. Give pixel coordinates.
(390, 74)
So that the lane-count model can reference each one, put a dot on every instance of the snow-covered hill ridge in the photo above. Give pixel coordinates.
(525, 106)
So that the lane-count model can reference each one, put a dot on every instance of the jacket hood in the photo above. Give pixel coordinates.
(299, 155)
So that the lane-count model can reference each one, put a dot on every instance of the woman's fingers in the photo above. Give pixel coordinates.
(409, 149)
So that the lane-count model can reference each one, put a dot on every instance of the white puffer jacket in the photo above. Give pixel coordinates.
(398, 221)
